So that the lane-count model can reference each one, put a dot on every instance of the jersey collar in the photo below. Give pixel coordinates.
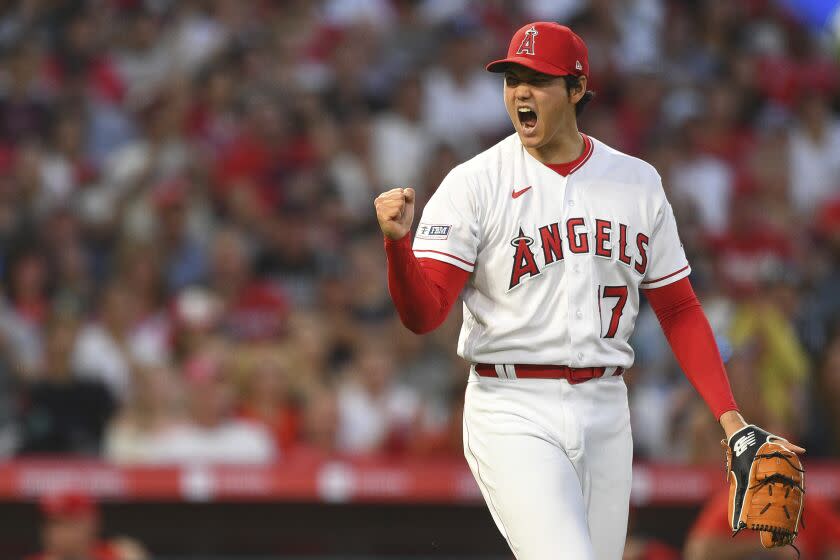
(566, 169)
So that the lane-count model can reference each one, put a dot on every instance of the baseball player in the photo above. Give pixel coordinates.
(71, 532)
(548, 236)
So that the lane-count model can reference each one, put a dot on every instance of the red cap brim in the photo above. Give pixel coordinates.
(529, 62)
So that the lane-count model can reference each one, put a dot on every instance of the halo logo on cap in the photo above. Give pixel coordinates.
(578, 66)
(527, 44)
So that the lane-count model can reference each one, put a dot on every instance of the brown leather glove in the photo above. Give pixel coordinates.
(766, 486)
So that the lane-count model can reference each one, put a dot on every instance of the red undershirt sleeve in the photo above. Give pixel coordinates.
(423, 290)
(693, 343)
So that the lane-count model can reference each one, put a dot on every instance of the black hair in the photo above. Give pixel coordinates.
(573, 84)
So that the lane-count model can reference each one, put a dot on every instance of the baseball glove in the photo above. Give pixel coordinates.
(766, 486)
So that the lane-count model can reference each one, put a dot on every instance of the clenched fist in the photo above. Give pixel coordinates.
(395, 212)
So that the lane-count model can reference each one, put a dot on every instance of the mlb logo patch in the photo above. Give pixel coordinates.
(435, 232)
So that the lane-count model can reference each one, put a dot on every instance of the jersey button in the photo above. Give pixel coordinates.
(580, 355)
(571, 202)
(579, 314)
(577, 268)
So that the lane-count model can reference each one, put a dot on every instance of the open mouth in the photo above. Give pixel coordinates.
(527, 118)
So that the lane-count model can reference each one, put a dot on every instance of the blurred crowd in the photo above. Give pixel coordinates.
(190, 263)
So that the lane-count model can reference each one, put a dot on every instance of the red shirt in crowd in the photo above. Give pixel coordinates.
(284, 424)
(259, 312)
(743, 259)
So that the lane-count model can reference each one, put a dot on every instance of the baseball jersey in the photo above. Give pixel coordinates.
(556, 261)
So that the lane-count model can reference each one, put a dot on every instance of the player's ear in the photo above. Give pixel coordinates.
(577, 92)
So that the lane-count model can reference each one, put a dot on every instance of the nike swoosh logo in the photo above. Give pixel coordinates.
(517, 194)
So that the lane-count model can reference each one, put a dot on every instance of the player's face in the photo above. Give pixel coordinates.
(538, 105)
(70, 537)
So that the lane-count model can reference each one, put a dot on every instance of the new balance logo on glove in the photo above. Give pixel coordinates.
(743, 443)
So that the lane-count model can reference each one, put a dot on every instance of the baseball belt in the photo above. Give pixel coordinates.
(536, 371)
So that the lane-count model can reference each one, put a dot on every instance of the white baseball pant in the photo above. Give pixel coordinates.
(553, 462)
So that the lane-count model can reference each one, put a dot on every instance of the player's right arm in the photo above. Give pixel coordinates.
(423, 290)
(395, 212)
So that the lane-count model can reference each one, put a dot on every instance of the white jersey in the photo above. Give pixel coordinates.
(556, 262)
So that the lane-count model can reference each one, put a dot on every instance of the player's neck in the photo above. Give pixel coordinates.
(565, 146)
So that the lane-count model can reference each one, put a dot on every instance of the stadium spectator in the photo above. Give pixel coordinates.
(375, 412)
(211, 433)
(24, 108)
(749, 247)
(63, 412)
(183, 253)
(288, 256)
(158, 153)
(139, 273)
(105, 349)
(401, 145)
(352, 167)
(823, 437)
(254, 309)
(27, 285)
(440, 431)
(196, 315)
(821, 304)
(71, 531)
(143, 57)
(149, 415)
(21, 344)
(321, 423)
(764, 324)
(71, 260)
(64, 166)
(369, 303)
(462, 105)
(267, 395)
(814, 145)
